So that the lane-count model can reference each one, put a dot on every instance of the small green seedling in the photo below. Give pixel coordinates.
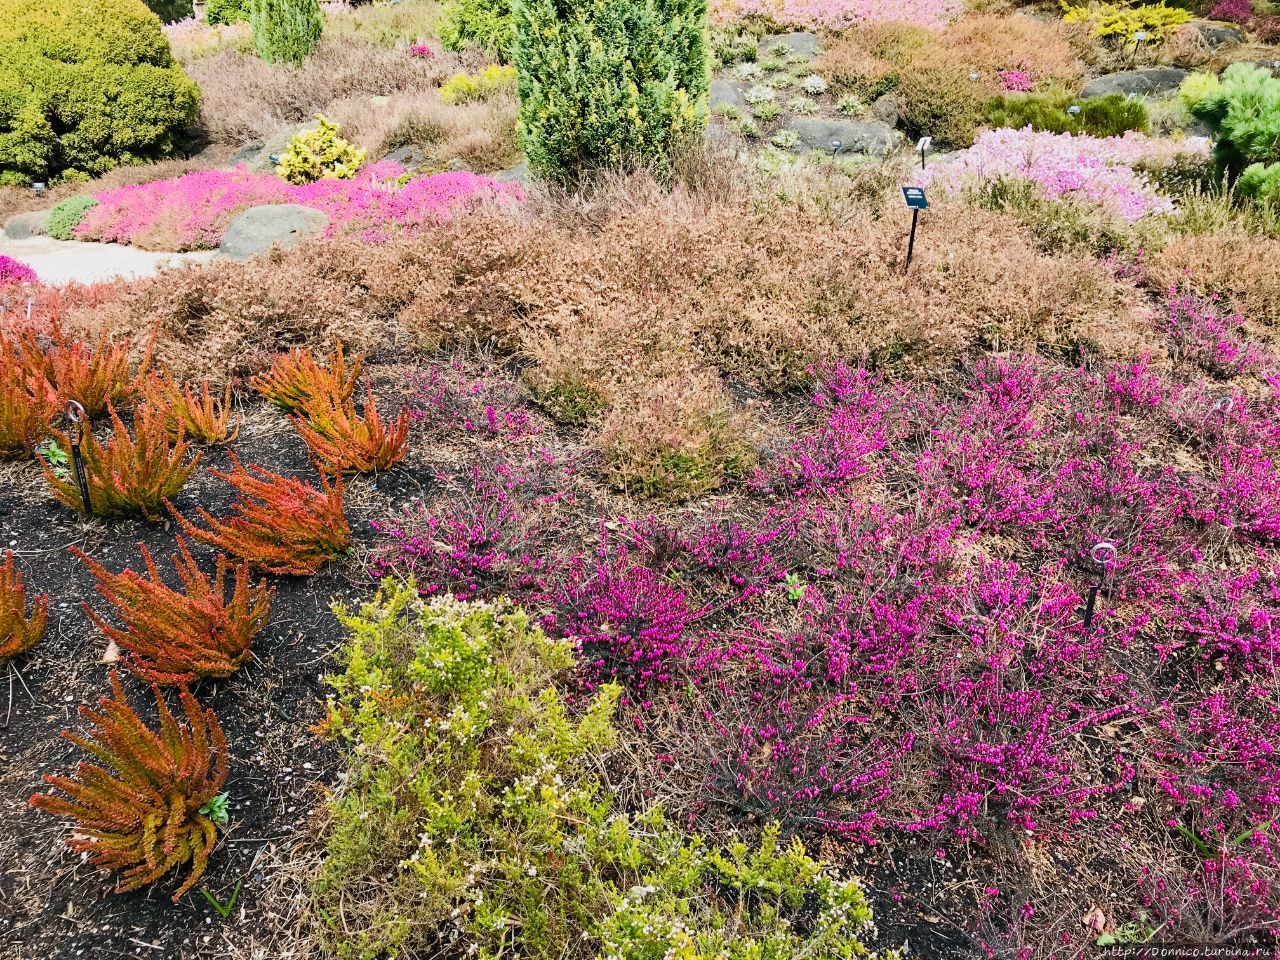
(795, 587)
(56, 457)
(224, 909)
(216, 810)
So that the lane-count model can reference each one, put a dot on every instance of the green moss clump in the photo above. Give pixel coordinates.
(67, 214)
(1108, 116)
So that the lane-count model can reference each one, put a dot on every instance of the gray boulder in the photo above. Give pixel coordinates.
(412, 157)
(854, 136)
(259, 229)
(24, 226)
(887, 109)
(517, 174)
(246, 154)
(1218, 34)
(794, 46)
(725, 94)
(1136, 82)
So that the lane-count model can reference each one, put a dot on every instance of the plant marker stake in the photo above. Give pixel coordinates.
(1102, 553)
(75, 413)
(835, 147)
(916, 200)
(30, 302)
(924, 144)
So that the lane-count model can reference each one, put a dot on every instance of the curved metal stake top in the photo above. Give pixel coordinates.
(75, 413)
(1224, 405)
(1102, 553)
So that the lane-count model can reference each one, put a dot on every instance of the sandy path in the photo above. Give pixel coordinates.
(59, 262)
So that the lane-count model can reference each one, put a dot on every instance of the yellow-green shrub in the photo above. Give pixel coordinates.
(320, 153)
(85, 87)
(474, 819)
(468, 87)
(1125, 19)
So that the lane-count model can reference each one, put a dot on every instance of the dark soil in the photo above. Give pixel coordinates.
(52, 904)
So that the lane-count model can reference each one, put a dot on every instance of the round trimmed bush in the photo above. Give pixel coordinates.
(171, 11)
(86, 87)
(67, 214)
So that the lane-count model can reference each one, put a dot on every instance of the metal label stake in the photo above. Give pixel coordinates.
(916, 201)
(75, 413)
(1103, 553)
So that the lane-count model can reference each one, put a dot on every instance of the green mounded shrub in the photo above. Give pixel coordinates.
(171, 11)
(1261, 182)
(1242, 110)
(609, 82)
(226, 11)
(67, 214)
(1108, 116)
(286, 31)
(316, 154)
(478, 23)
(474, 821)
(86, 87)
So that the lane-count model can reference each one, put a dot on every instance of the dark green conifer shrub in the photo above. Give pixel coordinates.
(609, 82)
(86, 87)
(170, 11)
(286, 31)
(226, 11)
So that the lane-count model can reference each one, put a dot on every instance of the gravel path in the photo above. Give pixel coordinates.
(59, 262)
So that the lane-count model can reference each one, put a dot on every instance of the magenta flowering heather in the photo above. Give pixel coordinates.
(191, 212)
(15, 271)
(1016, 81)
(421, 50)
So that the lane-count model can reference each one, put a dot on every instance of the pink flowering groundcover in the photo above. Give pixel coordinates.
(192, 212)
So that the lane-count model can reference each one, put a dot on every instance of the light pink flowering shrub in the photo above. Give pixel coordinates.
(837, 14)
(1095, 171)
(191, 212)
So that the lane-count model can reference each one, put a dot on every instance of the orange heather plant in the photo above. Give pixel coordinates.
(203, 417)
(341, 440)
(280, 525)
(96, 378)
(27, 405)
(295, 380)
(130, 475)
(142, 811)
(179, 636)
(20, 629)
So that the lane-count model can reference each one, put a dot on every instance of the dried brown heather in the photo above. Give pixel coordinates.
(131, 475)
(296, 380)
(340, 440)
(137, 811)
(20, 628)
(179, 636)
(279, 524)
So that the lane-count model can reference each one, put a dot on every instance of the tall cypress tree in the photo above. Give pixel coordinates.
(609, 82)
(286, 31)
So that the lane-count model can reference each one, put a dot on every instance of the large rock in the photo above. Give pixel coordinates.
(794, 46)
(887, 109)
(24, 226)
(412, 157)
(854, 136)
(259, 229)
(1136, 82)
(1217, 34)
(726, 94)
(517, 174)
